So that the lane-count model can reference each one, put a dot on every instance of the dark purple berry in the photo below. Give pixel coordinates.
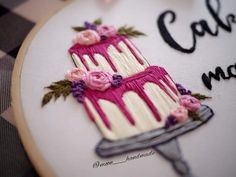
(117, 77)
(116, 80)
(80, 99)
(170, 121)
(74, 84)
(115, 83)
(78, 89)
(91, 26)
(75, 94)
(182, 90)
(103, 37)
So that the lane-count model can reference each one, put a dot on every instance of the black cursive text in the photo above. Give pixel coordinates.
(219, 73)
(199, 28)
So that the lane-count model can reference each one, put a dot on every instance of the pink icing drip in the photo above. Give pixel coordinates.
(83, 61)
(135, 47)
(168, 82)
(150, 104)
(133, 83)
(100, 112)
(118, 48)
(133, 52)
(98, 48)
(89, 112)
(173, 89)
(93, 59)
(165, 90)
(123, 108)
(101, 48)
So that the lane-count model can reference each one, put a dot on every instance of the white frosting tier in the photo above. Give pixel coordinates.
(143, 117)
(124, 61)
(127, 65)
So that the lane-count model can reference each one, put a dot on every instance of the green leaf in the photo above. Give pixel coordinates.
(194, 116)
(57, 95)
(63, 83)
(66, 93)
(47, 97)
(57, 89)
(130, 31)
(98, 21)
(200, 96)
(79, 28)
(52, 87)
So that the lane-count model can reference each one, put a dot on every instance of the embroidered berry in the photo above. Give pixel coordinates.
(170, 121)
(182, 90)
(91, 26)
(80, 99)
(116, 80)
(78, 89)
(103, 38)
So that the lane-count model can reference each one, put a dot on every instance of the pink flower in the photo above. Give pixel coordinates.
(87, 37)
(190, 103)
(76, 74)
(98, 80)
(108, 31)
(180, 113)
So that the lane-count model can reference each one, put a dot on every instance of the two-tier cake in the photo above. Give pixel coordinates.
(142, 102)
(134, 105)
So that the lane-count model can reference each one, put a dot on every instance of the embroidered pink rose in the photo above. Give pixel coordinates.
(75, 74)
(87, 37)
(190, 103)
(105, 30)
(180, 114)
(98, 80)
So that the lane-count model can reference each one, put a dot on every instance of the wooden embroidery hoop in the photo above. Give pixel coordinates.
(40, 163)
(36, 158)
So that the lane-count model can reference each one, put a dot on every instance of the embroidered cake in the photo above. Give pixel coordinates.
(134, 105)
(141, 103)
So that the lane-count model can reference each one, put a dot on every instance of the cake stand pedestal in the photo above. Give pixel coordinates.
(171, 152)
(164, 141)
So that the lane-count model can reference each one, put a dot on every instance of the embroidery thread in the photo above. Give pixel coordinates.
(134, 105)
(219, 73)
(106, 31)
(57, 89)
(199, 29)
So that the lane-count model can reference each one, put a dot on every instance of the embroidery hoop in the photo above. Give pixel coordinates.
(17, 91)
(41, 165)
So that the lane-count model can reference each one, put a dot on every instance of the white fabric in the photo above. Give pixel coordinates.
(66, 137)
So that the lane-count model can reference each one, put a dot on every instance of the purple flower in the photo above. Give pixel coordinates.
(78, 84)
(117, 77)
(78, 89)
(182, 90)
(80, 99)
(103, 38)
(91, 26)
(170, 121)
(116, 80)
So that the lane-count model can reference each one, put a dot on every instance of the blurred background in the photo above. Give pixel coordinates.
(17, 18)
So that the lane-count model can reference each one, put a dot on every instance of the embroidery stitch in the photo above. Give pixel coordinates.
(219, 73)
(134, 105)
(204, 27)
(57, 89)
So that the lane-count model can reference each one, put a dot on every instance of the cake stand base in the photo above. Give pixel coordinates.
(164, 141)
(108, 148)
(171, 152)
